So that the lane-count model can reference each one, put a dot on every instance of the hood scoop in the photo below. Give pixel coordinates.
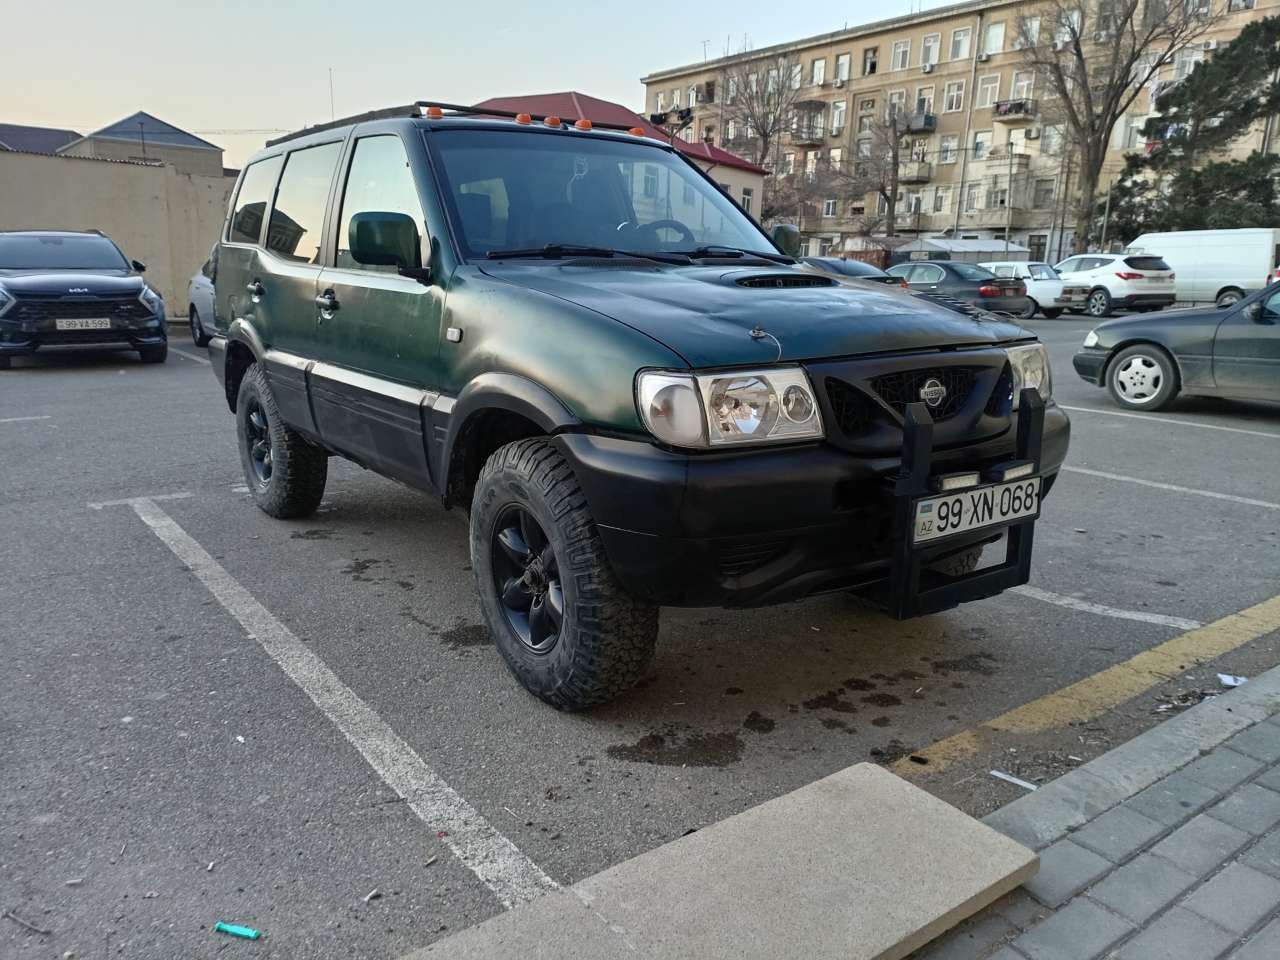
(783, 280)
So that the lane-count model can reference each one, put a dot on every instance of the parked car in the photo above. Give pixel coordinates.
(1215, 266)
(1134, 281)
(968, 283)
(1204, 351)
(852, 268)
(200, 301)
(1048, 293)
(640, 398)
(61, 288)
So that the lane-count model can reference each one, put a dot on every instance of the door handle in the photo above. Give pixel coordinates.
(327, 302)
(256, 290)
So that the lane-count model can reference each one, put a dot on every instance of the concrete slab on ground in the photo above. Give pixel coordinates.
(860, 865)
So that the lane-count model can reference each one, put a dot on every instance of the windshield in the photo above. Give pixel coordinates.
(523, 190)
(60, 253)
(967, 271)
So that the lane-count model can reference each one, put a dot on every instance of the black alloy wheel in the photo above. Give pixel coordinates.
(258, 433)
(526, 575)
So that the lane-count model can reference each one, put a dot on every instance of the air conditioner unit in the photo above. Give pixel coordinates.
(984, 57)
(1209, 45)
(926, 68)
(1033, 133)
(838, 83)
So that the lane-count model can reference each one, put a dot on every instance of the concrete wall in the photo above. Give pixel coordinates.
(166, 219)
(194, 160)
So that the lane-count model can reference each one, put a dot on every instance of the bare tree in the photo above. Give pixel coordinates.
(759, 96)
(876, 165)
(1092, 59)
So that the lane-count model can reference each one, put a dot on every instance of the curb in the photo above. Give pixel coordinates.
(1069, 802)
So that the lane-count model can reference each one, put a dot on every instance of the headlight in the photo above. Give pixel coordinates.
(722, 409)
(153, 300)
(1030, 365)
(6, 301)
(1091, 338)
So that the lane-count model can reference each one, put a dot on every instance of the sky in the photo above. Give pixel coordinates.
(238, 72)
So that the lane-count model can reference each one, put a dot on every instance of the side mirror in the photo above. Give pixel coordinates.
(138, 265)
(386, 239)
(787, 238)
(1253, 312)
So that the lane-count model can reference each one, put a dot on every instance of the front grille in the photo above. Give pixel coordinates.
(853, 409)
(739, 559)
(786, 280)
(899, 389)
(35, 310)
(1000, 403)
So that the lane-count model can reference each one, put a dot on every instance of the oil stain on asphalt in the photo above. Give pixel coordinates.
(670, 749)
(466, 635)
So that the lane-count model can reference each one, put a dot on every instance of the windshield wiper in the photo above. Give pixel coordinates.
(716, 250)
(557, 251)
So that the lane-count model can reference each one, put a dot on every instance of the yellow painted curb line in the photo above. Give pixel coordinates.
(1094, 695)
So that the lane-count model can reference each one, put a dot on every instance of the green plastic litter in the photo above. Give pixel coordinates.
(237, 931)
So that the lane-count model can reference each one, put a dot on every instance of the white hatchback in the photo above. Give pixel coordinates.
(1132, 281)
(1048, 293)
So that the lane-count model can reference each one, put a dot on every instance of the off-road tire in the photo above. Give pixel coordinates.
(959, 565)
(607, 637)
(299, 468)
(154, 354)
(1168, 374)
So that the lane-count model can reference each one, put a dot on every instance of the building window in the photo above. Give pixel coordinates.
(1023, 85)
(941, 199)
(988, 91)
(870, 57)
(864, 149)
(788, 164)
(1038, 244)
(811, 163)
(981, 143)
(731, 131)
(949, 150)
(748, 195)
(835, 158)
(733, 89)
(864, 123)
(818, 72)
(842, 67)
(901, 54)
(953, 97)
(1027, 34)
(650, 180)
(1234, 6)
(838, 111)
(971, 197)
(1042, 199)
(897, 104)
(709, 132)
(659, 104)
(960, 43)
(1186, 61)
(997, 197)
(929, 48)
(924, 99)
(1068, 27)
(828, 208)
(1051, 140)
(771, 81)
(753, 83)
(797, 76)
(675, 99)
(920, 150)
(993, 40)
(693, 96)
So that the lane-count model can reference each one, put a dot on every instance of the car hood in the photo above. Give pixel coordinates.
(63, 283)
(714, 316)
(1184, 315)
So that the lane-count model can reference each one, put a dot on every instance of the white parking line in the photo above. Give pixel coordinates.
(1265, 504)
(1102, 610)
(1171, 420)
(190, 356)
(22, 419)
(513, 877)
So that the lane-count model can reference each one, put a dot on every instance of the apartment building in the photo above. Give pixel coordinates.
(986, 155)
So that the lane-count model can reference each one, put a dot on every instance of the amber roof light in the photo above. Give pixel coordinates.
(434, 113)
(523, 118)
(583, 124)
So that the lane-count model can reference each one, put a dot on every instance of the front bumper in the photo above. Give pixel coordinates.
(751, 528)
(25, 337)
(1090, 363)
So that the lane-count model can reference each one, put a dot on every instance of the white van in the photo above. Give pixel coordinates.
(1215, 266)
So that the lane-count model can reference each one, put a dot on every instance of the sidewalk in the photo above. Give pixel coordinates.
(1166, 847)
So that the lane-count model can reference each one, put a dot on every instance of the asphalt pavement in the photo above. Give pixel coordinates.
(167, 766)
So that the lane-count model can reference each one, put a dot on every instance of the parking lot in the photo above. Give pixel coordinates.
(302, 726)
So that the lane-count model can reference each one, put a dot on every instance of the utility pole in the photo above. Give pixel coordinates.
(142, 135)
(1008, 201)
(1106, 218)
(704, 50)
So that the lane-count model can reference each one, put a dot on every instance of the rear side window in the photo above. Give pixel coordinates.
(297, 217)
(1042, 271)
(1005, 272)
(380, 180)
(251, 201)
(1147, 263)
(926, 273)
(967, 271)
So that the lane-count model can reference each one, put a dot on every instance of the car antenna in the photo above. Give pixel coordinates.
(759, 333)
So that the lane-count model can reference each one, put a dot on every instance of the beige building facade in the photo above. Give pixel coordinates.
(985, 155)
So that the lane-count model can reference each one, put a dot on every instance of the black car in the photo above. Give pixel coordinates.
(852, 268)
(67, 288)
(1146, 361)
(968, 283)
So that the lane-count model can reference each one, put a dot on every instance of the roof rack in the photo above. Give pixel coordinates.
(387, 113)
(460, 110)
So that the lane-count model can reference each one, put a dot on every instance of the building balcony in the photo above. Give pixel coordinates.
(808, 135)
(996, 218)
(917, 171)
(921, 123)
(1002, 160)
(1015, 112)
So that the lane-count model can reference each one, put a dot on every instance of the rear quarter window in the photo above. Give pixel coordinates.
(969, 271)
(1147, 263)
(256, 187)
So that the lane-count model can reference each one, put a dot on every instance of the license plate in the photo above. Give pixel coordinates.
(1011, 293)
(85, 323)
(988, 506)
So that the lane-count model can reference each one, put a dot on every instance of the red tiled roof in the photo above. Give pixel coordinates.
(576, 106)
